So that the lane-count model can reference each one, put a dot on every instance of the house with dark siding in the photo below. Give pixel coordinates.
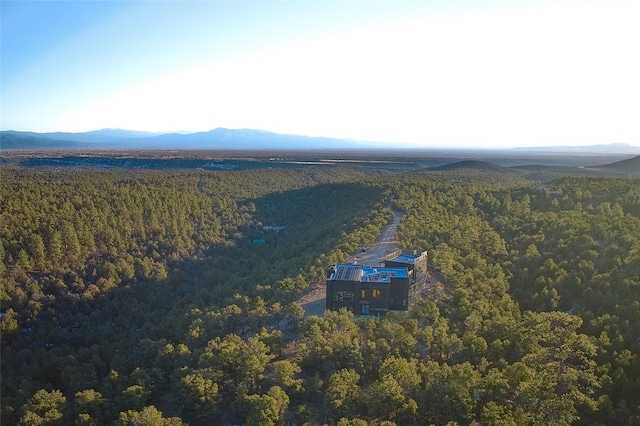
(370, 290)
(366, 290)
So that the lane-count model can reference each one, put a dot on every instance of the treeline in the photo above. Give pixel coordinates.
(165, 262)
(575, 247)
(535, 322)
(545, 277)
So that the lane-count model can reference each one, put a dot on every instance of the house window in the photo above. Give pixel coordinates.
(363, 293)
(378, 293)
(343, 296)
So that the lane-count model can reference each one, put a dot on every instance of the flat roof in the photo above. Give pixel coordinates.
(383, 275)
(349, 272)
(407, 258)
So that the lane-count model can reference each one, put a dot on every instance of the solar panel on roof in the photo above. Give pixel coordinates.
(348, 272)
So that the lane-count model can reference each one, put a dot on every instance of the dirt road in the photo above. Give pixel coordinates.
(387, 242)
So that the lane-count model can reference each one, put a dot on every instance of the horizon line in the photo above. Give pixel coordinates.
(406, 145)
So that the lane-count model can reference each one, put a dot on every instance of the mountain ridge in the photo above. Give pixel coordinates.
(478, 165)
(614, 147)
(219, 138)
(629, 165)
(224, 138)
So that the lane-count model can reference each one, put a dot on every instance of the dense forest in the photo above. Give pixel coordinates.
(172, 297)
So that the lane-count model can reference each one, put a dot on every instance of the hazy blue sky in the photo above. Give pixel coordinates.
(433, 72)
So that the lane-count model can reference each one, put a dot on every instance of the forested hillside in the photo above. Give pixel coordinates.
(158, 297)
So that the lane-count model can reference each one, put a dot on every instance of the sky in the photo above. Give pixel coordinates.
(432, 73)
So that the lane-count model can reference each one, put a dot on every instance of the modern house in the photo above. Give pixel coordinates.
(366, 290)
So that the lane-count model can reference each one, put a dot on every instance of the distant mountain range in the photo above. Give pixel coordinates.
(219, 138)
(612, 148)
(225, 139)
